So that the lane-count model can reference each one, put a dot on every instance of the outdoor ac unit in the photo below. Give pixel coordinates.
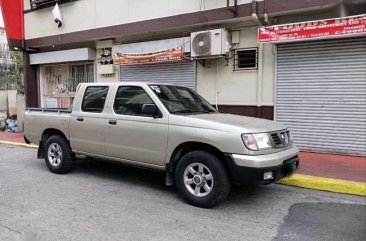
(209, 43)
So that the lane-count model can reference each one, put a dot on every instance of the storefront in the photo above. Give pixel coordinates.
(58, 82)
(320, 90)
(164, 61)
(60, 72)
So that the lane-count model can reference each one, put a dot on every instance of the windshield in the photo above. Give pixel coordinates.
(181, 99)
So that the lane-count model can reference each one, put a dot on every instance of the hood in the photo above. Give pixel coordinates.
(226, 122)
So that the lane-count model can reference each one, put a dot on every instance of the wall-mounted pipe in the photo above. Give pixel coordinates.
(233, 10)
(255, 12)
(265, 15)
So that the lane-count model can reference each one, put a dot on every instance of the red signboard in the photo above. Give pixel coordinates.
(12, 11)
(348, 26)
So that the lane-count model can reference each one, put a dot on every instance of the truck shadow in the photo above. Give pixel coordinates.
(153, 179)
(119, 172)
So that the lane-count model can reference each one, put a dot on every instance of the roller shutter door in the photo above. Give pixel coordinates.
(175, 73)
(321, 94)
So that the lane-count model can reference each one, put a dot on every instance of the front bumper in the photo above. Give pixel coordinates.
(250, 169)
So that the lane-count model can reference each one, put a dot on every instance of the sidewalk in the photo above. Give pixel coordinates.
(337, 173)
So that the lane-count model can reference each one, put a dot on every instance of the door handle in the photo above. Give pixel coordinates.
(112, 122)
(80, 118)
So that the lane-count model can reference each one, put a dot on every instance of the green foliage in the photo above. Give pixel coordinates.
(15, 74)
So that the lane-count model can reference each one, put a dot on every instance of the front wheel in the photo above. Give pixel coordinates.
(201, 179)
(58, 156)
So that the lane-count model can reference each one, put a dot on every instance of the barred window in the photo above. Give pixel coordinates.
(59, 83)
(246, 59)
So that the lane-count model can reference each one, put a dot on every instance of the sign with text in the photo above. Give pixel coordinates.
(330, 28)
(161, 56)
(151, 51)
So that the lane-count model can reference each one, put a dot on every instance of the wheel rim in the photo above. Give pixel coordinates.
(198, 179)
(54, 154)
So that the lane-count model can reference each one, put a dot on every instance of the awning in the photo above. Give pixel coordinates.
(82, 54)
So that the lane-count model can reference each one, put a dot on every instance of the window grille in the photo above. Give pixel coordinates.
(245, 59)
(60, 82)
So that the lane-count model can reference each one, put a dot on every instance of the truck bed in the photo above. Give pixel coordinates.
(37, 120)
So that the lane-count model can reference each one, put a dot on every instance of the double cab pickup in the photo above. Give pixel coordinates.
(168, 128)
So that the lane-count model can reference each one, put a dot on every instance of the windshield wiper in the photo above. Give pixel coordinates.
(185, 111)
(208, 111)
(192, 111)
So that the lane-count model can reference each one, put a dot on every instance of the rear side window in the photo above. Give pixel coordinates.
(94, 99)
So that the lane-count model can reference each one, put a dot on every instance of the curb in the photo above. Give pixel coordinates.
(19, 144)
(326, 184)
(297, 180)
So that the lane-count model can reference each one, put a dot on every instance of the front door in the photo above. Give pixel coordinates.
(130, 134)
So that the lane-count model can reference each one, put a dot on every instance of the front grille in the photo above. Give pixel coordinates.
(281, 139)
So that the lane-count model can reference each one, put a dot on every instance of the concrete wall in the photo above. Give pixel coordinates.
(20, 111)
(91, 14)
(12, 101)
(239, 87)
(110, 77)
(8, 101)
(3, 101)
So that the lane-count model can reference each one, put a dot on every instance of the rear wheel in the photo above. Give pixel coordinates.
(58, 156)
(201, 179)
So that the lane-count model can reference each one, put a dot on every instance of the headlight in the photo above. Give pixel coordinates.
(257, 142)
(249, 142)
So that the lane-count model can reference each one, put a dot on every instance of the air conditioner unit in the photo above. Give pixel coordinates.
(209, 43)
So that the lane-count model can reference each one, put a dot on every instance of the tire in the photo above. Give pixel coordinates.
(206, 170)
(58, 155)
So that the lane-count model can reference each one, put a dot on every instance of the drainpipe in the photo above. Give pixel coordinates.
(260, 78)
(265, 15)
(342, 10)
(260, 56)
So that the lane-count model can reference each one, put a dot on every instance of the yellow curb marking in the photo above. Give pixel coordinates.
(19, 144)
(326, 184)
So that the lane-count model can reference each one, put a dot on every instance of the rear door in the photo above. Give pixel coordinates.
(131, 135)
(88, 122)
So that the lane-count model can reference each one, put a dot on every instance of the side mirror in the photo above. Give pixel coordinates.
(150, 110)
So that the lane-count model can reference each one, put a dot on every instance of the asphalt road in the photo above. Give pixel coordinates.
(104, 201)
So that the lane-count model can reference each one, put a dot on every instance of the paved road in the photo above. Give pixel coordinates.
(103, 201)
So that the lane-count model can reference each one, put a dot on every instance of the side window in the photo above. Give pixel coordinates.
(130, 99)
(94, 99)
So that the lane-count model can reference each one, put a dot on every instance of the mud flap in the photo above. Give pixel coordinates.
(40, 153)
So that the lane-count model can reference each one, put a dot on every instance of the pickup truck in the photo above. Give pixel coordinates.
(167, 128)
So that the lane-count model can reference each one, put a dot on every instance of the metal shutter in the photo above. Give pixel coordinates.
(175, 73)
(321, 94)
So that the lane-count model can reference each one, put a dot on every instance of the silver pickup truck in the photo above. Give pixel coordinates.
(168, 128)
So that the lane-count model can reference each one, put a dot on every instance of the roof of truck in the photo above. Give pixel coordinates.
(128, 83)
(137, 83)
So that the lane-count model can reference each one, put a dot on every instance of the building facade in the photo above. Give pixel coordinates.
(315, 85)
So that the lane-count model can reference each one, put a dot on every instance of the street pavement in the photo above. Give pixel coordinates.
(105, 201)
